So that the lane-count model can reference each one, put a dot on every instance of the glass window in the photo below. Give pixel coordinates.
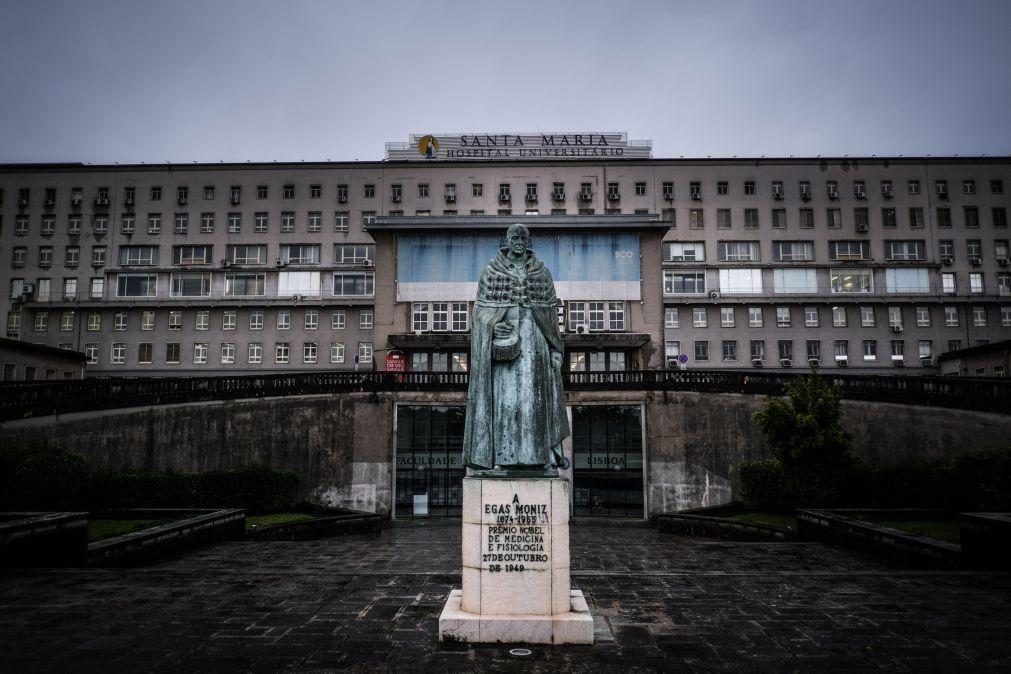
(811, 317)
(256, 319)
(793, 251)
(671, 318)
(950, 316)
(336, 352)
(849, 250)
(907, 280)
(870, 349)
(311, 319)
(741, 281)
(338, 319)
(254, 353)
(839, 317)
(755, 318)
(191, 285)
(678, 251)
(783, 317)
(729, 350)
(851, 280)
(700, 317)
(948, 282)
(738, 251)
(281, 352)
(867, 319)
(238, 285)
(905, 250)
(795, 281)
(702, 351)
(346, 284)
(684, 282)
(136, 285)
(727, 317)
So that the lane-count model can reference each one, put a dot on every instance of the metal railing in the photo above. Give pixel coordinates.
(22, 400)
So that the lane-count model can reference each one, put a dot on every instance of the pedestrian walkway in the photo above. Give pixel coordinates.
(372, 602)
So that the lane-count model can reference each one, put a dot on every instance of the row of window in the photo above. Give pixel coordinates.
(840, 316)
(779, 219)
(227, 351)
(424, 191)
(813, 351)
(201, 320)
(838, 250)
(910, 280)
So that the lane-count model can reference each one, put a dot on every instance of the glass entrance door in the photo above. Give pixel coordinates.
(429, 460)
(607, 460)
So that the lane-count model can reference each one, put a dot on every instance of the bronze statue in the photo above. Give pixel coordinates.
(515, 408)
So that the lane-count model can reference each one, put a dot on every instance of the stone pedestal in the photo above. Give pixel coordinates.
(516, 566)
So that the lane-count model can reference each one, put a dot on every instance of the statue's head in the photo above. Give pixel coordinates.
(517, 239)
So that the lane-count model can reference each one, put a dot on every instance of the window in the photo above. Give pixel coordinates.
(202, 320)
(21, 225)
(832, 189)
(695, 188)
(346, 284)
(783, 317)
(234, 223)
(895, 317)
(793, 251)
(840, 347)
(460, 316)
(309, 351)
(833, 218)
(758, 349)
(672, 349)
(91, 353)
(503, 192)
(281, 352)
(851, 280)
(676, 251)
(861, 219)
(1005, 316)
(867, 317)
(971, 216)
(755, 317)
(368, 218)
(969, 187)
(20, 255)
(136, 285)
(700, 317)
(944, 216)
(206, 223)
(235, 194)
(974, 250)
(946, 249)
(13, 323)
(813, 347)
(365, 352)
(70, 288)
(449, 192)
(777, 189)
(256, 319)
(726, 317)
(246, 254)
(729, 350)
(287, 222)
(737, 281)
(284, 319)
(138, 256)
(671, 318)
(227, 353)
(695, 219)
(913, 187)
(722, 188)
(208, 192)
(595, 311)
(336, 352)
(979, 316)
(118, 353)
(300, 253)
(954, 344)
(668, 191)
(238, 285)
(1003, 283)
(175, 320)
(341, 221)
(314, 222)
(750, 218)
(888, 218)
(228, 319)
(870, 350)
(48, 225)
(1000, 249)
(191, 285)
(684, 282)
(778, 218)
(640, 189)
(738, 251)
(261, 222)
(948, 283)
(723, 218)
(189, 255)
(531, 191)
(996, 187)
(365, 319)
(94, 323)
(346, 253)
(667, 215)
(785, 350)
(941, 188)
(905, 250)
(950, 316)
(806, 218)
(839, 317)
(702, 350)
(749, 188)
(97, 288)
(975, 283)
(924, 348)
(199, 353)
(811, 317)
(72, 256)
(67, 321)
(849, 250)
(859, 189)
(42, 321)
(101, 225)
(182, 223)
(338, 318)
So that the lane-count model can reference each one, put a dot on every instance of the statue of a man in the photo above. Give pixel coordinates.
(515, 407)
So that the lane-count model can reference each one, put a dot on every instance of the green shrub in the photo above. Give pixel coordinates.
(763, 484)
(981, 480)
(50, 479)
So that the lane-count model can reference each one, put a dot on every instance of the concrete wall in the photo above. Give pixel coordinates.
(342, 446)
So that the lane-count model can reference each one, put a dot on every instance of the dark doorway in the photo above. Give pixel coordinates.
(429, 460)
(607, 460)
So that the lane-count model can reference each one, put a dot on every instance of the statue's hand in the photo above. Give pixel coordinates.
(503, 330)
(556, 360)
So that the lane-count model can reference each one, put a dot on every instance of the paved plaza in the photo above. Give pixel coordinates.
(372, 602)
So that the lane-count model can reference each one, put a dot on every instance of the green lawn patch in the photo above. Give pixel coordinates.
(260, 521)
(942, 530)
(101, 529)
(769, 519)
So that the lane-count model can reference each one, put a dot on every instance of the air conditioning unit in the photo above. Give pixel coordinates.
(50, 202)
(927, 362)
(27, 290)
(128, 201)
(75, 200)
(505, 197)
(22, 202)
(586, 196)
(613, 196)
(669, 196)
(842, 361)
(806, 196)
(297, 298)
(898, 361)
(862, 227)
(582, 329)
(757, 362)
(714, 294)
(778, 196)
(182, 201)
(696, 195)
(886, 192)
(226, 263)
(235, 201)
(532, 198)
(947, 260)
(975, 261)
(342, 199)
(279, 262)
(785, 362)
(896, 328)
(450, 198)
(395, 198)
(814, 362)
(366, 263)
(672, 363)
(1002, 261)
(860, 194)
(100, 201)
(833, 194)
(558, 196)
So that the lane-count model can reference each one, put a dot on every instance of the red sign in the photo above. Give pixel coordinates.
(395, 361)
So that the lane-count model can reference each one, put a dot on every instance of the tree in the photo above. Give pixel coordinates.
(805, 433)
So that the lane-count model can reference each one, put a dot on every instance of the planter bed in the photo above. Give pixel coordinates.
(326, 522)
(191, 527)
(716, 522)
(856, 529)
(43, 539)
(986, 540)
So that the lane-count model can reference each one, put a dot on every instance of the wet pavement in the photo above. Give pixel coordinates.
(371, 603)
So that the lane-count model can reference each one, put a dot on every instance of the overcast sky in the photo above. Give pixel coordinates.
(137, 80)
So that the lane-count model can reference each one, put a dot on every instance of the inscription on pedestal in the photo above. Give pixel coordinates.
(518, 540)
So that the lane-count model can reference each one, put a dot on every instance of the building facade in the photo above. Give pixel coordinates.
(863, 263)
